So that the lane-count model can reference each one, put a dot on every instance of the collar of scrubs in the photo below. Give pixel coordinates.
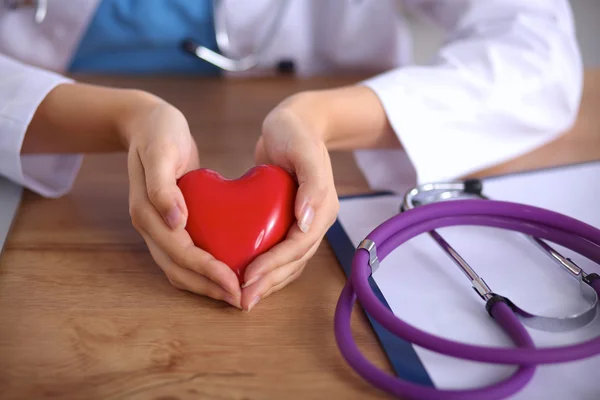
(143, 37)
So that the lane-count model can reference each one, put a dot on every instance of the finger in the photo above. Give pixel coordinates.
(186, 280)
(289, 279)
(274, 281)
(312, 168)
(178, 245)
(293, 147)
(252, 295)
(260, 154)
(160, 164)
(294, 248)
(309, 160)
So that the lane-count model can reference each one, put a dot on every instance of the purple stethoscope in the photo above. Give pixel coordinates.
(424, 209)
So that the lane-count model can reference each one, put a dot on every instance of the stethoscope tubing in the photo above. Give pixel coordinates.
(402, 388)
(541, 223)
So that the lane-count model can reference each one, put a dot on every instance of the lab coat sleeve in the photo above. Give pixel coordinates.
(508, 79)
(22, 89)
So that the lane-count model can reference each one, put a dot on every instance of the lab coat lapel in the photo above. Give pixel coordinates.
(50, 44)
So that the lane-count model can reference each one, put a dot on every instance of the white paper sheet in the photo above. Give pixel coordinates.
(10, 197)
(423, 285)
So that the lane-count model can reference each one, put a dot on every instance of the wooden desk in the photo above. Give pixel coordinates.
(85, 314)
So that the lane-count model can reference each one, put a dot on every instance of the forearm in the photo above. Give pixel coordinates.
(82, 118)
(346, 118)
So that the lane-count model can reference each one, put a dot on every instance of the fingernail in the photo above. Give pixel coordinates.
(173, 217)
(306, 218)
(233, 301)
(250, 282)
(253, 303)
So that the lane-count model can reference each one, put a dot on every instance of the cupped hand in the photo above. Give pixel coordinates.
(292, 137)
(161, 150)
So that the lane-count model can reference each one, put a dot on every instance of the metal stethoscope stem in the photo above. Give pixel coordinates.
(433, 192)
(223, 43)
(244, 63)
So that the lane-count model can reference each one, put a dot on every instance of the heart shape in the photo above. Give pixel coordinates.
(236, 220)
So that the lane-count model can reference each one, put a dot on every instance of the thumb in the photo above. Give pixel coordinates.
(162, 189)
(310, 163)
(260, 153)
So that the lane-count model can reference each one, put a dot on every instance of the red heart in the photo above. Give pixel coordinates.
(235, 220)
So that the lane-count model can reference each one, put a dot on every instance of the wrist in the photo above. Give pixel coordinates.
(132, 118)
(85, 118)
(350, 117)
(309, 109)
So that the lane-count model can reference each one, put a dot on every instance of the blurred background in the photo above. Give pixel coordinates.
(587, 15)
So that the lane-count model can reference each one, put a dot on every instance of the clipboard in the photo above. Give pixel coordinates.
(403, 358)
(401, 355)
(10, 199)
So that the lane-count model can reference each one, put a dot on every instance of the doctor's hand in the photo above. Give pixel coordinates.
(83, 118)
(161, 150)
(292, 137)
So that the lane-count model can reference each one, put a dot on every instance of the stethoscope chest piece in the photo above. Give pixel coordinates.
(473, 189)
(424, 210)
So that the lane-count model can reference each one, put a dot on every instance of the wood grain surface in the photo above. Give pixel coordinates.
(85, 313)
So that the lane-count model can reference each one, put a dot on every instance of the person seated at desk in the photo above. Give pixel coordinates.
(507, 79)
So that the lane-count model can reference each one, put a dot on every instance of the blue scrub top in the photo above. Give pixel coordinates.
(144, 37)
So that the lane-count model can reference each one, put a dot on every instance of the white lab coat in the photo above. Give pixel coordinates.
(507, 80)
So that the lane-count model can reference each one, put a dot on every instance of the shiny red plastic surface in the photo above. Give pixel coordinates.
(236, 220)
